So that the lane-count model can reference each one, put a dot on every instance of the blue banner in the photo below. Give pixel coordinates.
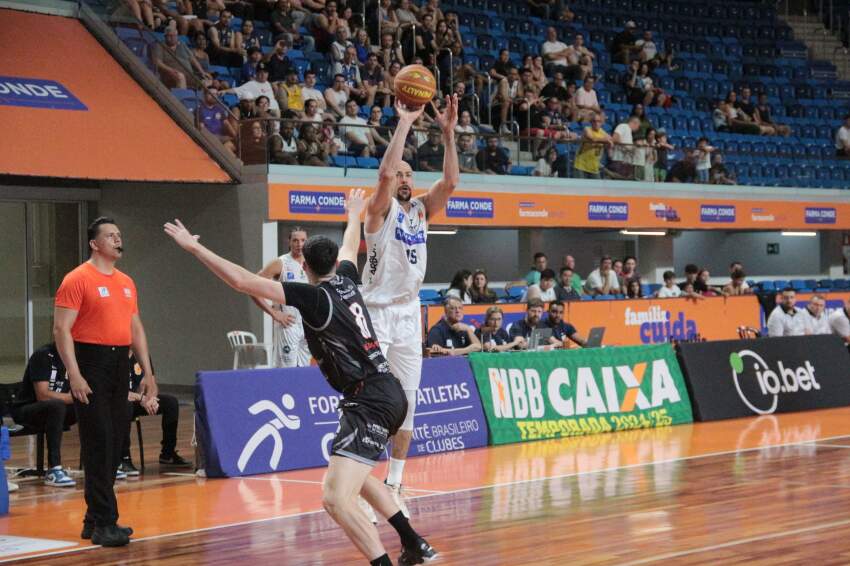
(260, 421)
(37, 93)
(316, 202)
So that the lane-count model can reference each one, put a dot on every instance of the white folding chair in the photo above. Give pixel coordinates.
(242, 341)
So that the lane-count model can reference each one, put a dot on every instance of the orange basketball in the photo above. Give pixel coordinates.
(415, 86)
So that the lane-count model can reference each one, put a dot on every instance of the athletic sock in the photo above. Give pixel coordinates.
(405, 532)
(383, 560)
(395, 472)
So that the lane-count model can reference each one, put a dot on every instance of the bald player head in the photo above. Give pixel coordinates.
(404, 182)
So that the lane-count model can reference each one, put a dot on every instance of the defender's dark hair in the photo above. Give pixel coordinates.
(94, 228)
(320, 254)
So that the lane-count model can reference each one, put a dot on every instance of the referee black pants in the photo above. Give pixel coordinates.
(102, 424)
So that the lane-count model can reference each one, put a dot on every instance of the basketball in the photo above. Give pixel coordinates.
(415, 86)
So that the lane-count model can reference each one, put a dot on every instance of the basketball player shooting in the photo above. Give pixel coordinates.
(396, 231)
(343, 342)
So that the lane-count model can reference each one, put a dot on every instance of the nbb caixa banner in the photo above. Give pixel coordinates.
(539, 395)
(739, 378)
(259, 421)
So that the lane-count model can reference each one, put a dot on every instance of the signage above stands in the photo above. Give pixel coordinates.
(468, 207)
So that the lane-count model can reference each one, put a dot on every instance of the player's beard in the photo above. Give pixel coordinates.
(404, 193)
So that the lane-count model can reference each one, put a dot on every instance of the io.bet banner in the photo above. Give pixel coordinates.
(542, 395)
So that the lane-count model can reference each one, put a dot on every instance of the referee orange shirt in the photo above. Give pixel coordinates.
(105, 305)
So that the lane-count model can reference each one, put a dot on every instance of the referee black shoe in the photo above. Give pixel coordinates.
(420, 554)
(110, 536)
(88, 529)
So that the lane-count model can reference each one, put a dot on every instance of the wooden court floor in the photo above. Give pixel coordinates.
(772, 490)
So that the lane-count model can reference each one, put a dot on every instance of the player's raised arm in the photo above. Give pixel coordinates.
(355, 205)
(234, 275)
(438, 195)
(379, 204)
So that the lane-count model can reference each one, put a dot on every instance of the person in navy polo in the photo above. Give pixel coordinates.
(561, 331)
(450, 336)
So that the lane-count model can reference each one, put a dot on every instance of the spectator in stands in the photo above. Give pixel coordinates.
(255, 144)
(388, 20)
(311, 112)
(212, 116)
(492, 160)
(461, 286)
(169, 18)
(545, 165)
(224, 42)
(372, 76)
(358, 136)
(538, 72)
(337, 95)
(532, 277)
(602, 280)
(570, 262)
(566, 15)
(555, 54)
(556, 88)
(564, 290)
(465, 126)
(580, 56)
(544, 9)
(257, 87)
(406, 13)
(199, 51)
(45, 404)
(310, 92)
(645, 124)
(285, 23)
(738, 266)
(691, 272)
(842, 139)
(481, 292)
(544, 290)
(425, 39)
(467, 154)
(340, 46)
(621, 165)
(589, 156)
(623, 44)
(561, 331)
(737, 285)
(450, 336)
(702, 285)
(324, 26)
(719, 174)
(500, 72)
(839, 321)
(279, 63)
(633, 289)
(522, 328)
(815, 319)
(246, 109)
(737, 121)
(290, 95)
(432, 151)
(703, 160)
(629, 272)
(142, 10)
(617, 266)
(380, 133)
(493, 337)
(283, 146)
(433, 7)
(586, 101)
(669, 289)
(312, 151)
(747, 113)
(363, 45)
(173, 60)
(684, 170)
(390, 51)
(662, 147)
(249, 67)
(650, 150)
(249, 37)
(348, 68)
(647, 49)
(765, 116)
(786, 319)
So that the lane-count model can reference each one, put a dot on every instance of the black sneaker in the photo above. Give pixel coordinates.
(174, 459)
(110, 536)
(421, 553)
(128, 468)
(88, 529)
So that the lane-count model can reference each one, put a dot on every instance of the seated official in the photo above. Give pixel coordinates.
(815, 319)
(533, 312)
(45, 404)
(170, 411)
(493, 337)
(786, 319)
(561, 331)
(839, 322)
(450, 336)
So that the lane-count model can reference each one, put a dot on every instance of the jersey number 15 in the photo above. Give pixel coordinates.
(411, 255)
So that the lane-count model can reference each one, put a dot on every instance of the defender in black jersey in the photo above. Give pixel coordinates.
(340, 336)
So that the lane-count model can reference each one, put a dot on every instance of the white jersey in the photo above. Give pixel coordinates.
(290, 346)
(396, 257)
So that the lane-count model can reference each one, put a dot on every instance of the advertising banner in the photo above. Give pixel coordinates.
(740, 378)
(639, 321)
(259, 421)
(541, 395)
(471, 207)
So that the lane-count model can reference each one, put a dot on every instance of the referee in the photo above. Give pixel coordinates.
(95, 323)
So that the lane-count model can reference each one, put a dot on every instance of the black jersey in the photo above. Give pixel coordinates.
(338, 329)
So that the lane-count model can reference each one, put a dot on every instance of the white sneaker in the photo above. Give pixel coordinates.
(370, 512)
(398, 498)
(12, 486)
(57, 477)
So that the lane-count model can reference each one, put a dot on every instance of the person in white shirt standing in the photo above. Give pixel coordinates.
(289, 346)
(396, 230)
(815, 319)
(786, 319)
(839, 322)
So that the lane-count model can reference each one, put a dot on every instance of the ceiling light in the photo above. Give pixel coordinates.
(803, 234)
(643, 232)
(442, 231)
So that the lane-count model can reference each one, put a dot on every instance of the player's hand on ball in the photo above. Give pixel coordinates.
(408, 115)
(181, 235)
(356, 202)
(447, 119)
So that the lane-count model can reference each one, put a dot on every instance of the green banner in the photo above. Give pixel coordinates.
(540, 395)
